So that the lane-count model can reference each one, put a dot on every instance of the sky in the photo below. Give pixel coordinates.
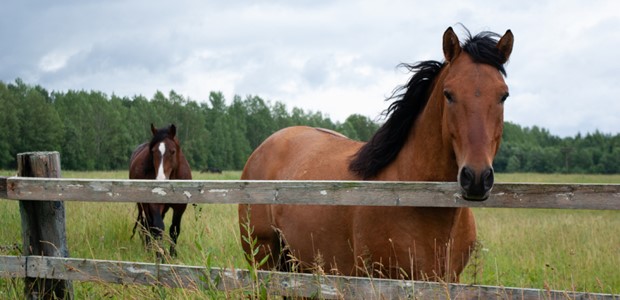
(336, 57)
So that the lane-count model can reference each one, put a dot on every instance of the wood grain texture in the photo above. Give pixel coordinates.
(12, 266)
(278, 283)
(437, 194)
(43, 225)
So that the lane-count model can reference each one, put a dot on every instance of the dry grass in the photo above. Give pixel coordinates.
(537, 248)
(556, 249)
(576, 250)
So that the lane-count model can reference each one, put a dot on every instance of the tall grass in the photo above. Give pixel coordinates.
(538, 248)
(209, 234)
(576, 250)
(548, 249)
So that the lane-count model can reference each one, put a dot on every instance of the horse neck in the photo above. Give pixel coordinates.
(427, 155)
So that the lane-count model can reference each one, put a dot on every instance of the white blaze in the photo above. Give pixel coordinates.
(160, 170)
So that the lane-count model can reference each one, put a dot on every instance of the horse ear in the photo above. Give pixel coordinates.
(172, 131)
(153, 129)
(451, 45)
(505, 45)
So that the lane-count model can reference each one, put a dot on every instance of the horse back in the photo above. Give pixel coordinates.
(302, 153)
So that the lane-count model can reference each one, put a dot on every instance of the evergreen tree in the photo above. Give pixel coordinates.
(40, 127)
(96, 132)
(9, 127)
(259, 120)
(363, 127)
(280, 116)
(75, 109)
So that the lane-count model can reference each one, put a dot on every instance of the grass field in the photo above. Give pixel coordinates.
(537, 248)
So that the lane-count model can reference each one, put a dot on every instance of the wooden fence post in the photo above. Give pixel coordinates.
(43, 226)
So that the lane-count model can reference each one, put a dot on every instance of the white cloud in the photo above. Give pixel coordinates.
(53, 61)
(337, 57)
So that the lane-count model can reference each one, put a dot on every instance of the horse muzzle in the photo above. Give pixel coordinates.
(475, 185)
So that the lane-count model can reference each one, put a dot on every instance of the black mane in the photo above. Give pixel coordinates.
(410, 100)
(482, 48)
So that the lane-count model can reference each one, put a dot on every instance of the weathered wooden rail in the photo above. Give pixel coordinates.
(277, 283)
(376, 193)
(54, 190)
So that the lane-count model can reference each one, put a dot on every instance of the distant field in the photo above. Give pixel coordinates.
(557, 178)
(538, 248)
(234, 175)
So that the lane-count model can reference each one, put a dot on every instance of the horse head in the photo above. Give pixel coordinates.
(474, 92)
(164, 148)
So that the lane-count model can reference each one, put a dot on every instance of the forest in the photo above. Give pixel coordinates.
(96, 131)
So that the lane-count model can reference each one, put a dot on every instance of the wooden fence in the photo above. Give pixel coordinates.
(57, 268)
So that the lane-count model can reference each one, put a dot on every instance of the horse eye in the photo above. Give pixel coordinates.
(504, 98)
(448, 96)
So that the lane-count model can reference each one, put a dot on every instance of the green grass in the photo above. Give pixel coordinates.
(537, 248)
(103, 231)
(556, 249)
(557, 178)
(577, 250)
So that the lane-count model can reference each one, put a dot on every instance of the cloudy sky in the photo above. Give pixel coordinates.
(337, 57)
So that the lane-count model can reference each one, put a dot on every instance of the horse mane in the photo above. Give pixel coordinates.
(409, 101)
(411, 98)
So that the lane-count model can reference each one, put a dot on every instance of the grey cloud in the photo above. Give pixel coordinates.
(276, 48)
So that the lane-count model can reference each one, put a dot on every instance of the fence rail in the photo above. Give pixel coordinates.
(44, 191)
(277, 283)
(374, 193)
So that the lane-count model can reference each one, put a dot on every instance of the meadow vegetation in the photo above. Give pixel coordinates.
(538, 248)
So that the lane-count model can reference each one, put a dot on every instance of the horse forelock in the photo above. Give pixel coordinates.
(482, 48)
(409, 101)
(160, 136)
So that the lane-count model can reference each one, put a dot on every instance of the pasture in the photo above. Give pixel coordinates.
(539, 248)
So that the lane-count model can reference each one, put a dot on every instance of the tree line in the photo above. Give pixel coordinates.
(95, 131)
(534, 149)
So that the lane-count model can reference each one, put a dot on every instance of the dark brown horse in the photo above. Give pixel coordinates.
(160, 159)
(444, 125)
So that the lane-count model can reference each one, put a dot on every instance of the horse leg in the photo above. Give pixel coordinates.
(156, 224)
(143, 221)
(175, 228)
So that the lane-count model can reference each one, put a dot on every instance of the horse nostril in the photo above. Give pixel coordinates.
(488, 179)
(466, 178)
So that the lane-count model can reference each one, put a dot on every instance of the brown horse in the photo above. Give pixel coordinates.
(160, 159)
(444, 125)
